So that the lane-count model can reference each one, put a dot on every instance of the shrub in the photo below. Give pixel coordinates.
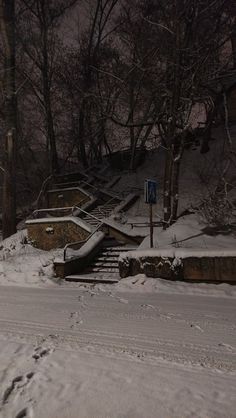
(216, 210)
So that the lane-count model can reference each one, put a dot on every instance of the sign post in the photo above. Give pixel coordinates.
(150, 193)
(151, 227)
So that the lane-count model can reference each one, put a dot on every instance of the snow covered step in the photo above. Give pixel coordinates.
(98, 215)
(102, 270)
(91, 279)
(110, 259)
(92, 221)
(109, 206)
(97, 264)
(109, 255)
(92, 217)
(103, 258)
(118, 249)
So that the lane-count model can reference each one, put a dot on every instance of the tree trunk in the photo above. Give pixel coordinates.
(233, 43)
(177, 81)
(175, 189)
(81, 147)
(51, 138)
(133, 142)
(54, 166)
(178, 151)
(7, 10)
(167, 189)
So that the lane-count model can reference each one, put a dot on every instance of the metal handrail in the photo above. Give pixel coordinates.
(70, 245)
(82, 242)
(106, 212)
(144, 224)
(71, 183)
(64, 208)
(37, 211)
(110, 192)
(90, 185)
(86, 213)
(72, 208)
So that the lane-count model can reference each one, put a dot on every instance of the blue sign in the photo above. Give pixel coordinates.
(150, 192)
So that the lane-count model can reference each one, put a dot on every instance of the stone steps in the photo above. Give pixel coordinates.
(87, 278)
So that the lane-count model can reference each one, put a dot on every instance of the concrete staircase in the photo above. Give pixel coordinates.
(100, 212)
(100, 257)
(104, 267)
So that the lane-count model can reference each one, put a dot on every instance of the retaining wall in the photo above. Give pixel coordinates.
(48, 234)
(67, 197)
(214, 267)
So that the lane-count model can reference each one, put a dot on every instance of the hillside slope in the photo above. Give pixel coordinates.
(199, 174)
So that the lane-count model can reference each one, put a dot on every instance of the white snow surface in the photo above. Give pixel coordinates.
(23, 265)
(199, 173)
(188, 234)
(141, 348)
(79, 351)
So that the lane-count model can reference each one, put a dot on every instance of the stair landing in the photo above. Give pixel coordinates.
(89, 278)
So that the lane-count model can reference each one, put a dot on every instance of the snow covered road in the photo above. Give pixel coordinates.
(68, 351)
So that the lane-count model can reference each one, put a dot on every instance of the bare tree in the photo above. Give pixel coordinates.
(7, 22)
(188, 37)
(84, 76)
(37, 28)
(137, 80)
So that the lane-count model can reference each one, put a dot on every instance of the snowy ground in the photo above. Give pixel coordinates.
(199, 174)
(143, 348)
(23, 265)
(118, 352)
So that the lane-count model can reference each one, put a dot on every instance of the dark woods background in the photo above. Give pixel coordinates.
(82, 79)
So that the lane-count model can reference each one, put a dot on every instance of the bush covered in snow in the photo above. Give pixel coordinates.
(216, 210)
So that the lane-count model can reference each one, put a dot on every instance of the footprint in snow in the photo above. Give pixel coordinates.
(148, 306)
(227, 346)
(22, 414)
(77, 323)
(74, 314)
(30, 375)
(17, 383)
(11, 388)
(41, 352)
(197, 327)
(121, 300)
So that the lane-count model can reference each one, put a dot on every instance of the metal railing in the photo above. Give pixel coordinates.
(144, 224)
(78, 244)
(49, 210)
(98, 189)
(86, 213)
(105, 212)
(71, 184)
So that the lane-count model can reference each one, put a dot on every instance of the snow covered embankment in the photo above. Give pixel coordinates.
(23, 265)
